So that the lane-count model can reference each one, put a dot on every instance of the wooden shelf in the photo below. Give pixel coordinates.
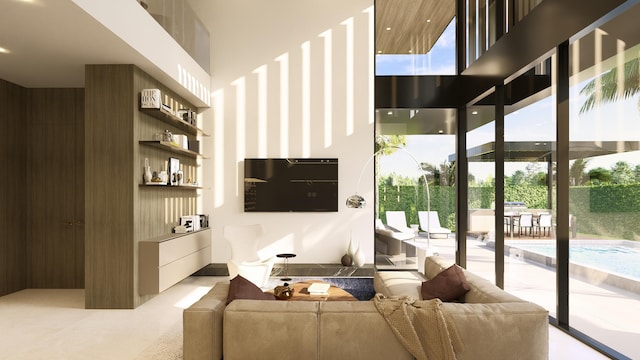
(165, 145)
(178, 187)
(171, 119)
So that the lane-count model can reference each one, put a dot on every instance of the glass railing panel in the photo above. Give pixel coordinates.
(182, 23)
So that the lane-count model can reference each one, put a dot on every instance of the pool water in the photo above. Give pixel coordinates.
(617, 259)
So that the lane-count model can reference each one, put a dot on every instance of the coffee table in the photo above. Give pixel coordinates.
(301, 293)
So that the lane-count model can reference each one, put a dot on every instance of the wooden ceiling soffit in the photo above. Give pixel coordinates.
(411, 26)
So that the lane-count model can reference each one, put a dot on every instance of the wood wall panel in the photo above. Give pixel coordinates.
(120, 213)
(55, 241)
(108, 191)
(12, 188)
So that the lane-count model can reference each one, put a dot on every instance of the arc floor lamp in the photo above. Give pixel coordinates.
(356, 201)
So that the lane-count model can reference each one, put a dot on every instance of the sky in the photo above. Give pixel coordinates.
(536, 122)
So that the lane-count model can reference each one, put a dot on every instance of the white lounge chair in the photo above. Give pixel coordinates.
(397, 220)
(394, 232)
(429, 222)
(245, 259)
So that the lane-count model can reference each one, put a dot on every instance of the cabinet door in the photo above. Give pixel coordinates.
(55, 236)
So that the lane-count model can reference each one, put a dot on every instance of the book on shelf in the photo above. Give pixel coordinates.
(319, 288)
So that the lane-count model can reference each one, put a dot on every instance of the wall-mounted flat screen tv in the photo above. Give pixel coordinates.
(290, 185)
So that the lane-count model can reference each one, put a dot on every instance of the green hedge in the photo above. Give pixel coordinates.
(614, 198)
(608, 211)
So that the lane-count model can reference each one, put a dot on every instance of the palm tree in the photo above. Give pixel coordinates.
(607, 90)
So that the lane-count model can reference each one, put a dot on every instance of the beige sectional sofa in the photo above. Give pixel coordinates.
(492, 324)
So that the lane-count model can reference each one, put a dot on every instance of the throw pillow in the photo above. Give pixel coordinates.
(241, 288)
(448, 285)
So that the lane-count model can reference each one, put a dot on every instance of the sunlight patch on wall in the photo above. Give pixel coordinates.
(349, 52)
(328, 87)
(262, 110)
(192, 84)
(306, 98)
(371, 61)
(219, 144)
(284, 104)
(241, 120)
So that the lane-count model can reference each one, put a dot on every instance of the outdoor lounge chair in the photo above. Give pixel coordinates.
(430, 222)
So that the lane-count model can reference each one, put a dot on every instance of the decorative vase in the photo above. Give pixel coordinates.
(352, 248)
(346, 260)
(147, 172)
(358, 258)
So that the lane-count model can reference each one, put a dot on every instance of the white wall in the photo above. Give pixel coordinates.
(291, 78)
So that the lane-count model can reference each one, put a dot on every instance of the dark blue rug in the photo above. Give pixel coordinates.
(360, 287)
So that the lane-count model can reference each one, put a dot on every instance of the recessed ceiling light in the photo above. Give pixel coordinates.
(4, 51)
(379, 51)
(389, 112)
(410, 51)
(388, 29)
(474, 112)
(440, 131)
(428, 20)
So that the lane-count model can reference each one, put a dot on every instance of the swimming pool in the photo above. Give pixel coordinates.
(621, 257)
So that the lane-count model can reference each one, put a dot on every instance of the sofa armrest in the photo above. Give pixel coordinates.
(518, 330)
(202, 325)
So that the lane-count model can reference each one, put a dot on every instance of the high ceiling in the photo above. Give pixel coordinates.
(49, 42)
(411, 26)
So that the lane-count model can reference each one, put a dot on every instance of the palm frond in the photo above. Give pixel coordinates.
(604, 88)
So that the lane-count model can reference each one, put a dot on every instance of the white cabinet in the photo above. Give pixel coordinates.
(166, 260)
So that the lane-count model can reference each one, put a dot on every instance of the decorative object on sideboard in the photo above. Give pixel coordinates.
(283, 292)
(147, 176)
(190, 222)
(180, 140)
(346, 260)
(359, 258)
(174, 167)
(150, 99)
(180, 177)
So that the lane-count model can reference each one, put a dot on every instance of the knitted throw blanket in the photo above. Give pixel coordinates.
(424, 328)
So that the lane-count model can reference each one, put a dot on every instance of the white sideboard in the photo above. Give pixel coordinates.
(166, 260)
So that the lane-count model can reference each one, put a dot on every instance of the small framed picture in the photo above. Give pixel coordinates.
(174, 168)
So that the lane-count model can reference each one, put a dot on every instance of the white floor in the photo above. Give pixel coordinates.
(53, 324)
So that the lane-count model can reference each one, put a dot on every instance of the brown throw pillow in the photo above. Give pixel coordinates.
(448, 285)
(241, 288)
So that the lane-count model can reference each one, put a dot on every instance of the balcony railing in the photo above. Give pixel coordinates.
(181, 22)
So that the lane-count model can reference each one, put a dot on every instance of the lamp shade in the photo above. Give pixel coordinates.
(356, 202)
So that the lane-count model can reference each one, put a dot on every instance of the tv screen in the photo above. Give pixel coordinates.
(290, 185)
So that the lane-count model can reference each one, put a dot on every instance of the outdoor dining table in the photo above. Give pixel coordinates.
(510, 216)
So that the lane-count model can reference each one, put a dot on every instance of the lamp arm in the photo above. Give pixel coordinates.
(364, 167)
(424, 176)
(426, 184)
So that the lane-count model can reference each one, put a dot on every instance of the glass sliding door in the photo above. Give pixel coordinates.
(415, 177)
(481, 232)
(529, 188)
(604, 205)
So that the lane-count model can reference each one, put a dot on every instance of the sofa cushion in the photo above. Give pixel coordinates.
(450, 284)
(241, 288)
(398, 283)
